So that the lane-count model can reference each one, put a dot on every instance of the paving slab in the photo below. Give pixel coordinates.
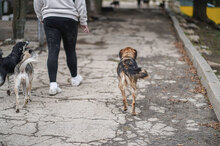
(92, 114)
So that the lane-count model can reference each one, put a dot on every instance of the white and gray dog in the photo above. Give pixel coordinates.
(24, 72)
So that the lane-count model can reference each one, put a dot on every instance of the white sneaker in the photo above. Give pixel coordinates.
(75, 81)
(54, 89)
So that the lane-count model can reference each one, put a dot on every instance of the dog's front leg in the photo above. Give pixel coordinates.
(8, 91)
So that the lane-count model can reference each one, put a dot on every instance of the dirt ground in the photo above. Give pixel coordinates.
(208, 43)
(210, 37)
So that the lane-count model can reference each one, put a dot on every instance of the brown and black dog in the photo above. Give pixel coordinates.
(128, 74)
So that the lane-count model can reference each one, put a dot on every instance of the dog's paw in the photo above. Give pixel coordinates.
(133, 114)
(17, 111)
(8, 92)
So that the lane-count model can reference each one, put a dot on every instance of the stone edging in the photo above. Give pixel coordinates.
(208, 78)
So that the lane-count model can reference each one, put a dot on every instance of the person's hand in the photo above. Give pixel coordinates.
(85, 28)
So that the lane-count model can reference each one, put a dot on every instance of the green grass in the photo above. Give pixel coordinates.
(218, 34)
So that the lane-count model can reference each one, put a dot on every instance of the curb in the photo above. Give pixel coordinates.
(208, 78)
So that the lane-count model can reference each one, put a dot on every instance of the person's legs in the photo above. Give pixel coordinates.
(53, 36)
(69, 35)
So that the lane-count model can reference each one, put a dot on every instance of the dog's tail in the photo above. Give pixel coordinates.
(131, 69)
(26, 62)
(138, 72)
(142, 74)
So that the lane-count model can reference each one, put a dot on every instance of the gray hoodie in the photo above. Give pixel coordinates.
(62, 8)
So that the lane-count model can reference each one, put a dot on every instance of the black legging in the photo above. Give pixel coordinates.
(55, 29)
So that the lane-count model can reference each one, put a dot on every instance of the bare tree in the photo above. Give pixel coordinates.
(19, 18)
(200, 13)
(199, 10)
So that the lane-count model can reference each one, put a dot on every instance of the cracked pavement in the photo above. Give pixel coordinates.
(92, 114)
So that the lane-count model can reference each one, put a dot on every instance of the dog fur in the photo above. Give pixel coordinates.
(7, 64)
(24, 72)
(128, 74)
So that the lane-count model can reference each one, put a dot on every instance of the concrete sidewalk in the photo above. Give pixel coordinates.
(168, 111)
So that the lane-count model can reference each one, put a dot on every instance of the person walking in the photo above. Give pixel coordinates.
(60, 19)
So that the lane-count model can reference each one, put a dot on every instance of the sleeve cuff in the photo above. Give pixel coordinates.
(40, 18)
(83, 23)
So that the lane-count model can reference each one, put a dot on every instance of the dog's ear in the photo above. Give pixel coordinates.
(120, 53)
(135, 53)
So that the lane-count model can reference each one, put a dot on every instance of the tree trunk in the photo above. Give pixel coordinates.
(217, 3)
(94, 7)
(19, 18)
(199, 10)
